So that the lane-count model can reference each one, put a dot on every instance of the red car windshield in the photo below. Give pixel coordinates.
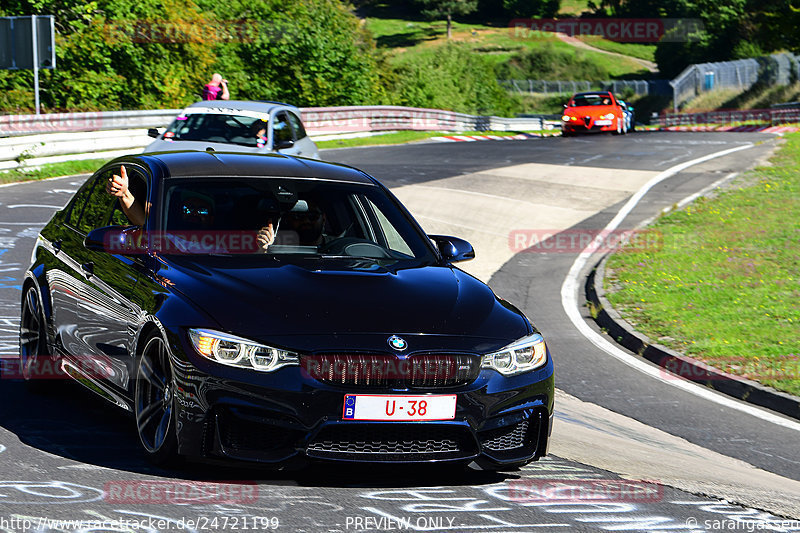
(590, 100)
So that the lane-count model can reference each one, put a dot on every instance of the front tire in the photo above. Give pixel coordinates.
(33, 349)
(154, 403)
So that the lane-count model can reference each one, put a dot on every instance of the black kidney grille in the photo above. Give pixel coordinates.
(387, 371)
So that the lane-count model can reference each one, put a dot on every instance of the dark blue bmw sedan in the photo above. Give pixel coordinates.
(275, 309)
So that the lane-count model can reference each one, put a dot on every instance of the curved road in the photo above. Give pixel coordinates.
(66, 456)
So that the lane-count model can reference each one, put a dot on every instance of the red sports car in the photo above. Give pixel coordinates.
(593, 111)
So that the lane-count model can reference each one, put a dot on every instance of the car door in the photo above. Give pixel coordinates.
(63, 270)
(106, 316)
(281, 131)
(305, 146)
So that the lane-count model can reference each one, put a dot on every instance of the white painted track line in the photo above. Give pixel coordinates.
(572, 284)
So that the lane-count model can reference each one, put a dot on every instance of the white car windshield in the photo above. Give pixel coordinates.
(214, 127)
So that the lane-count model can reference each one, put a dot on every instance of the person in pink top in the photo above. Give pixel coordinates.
(216, 89)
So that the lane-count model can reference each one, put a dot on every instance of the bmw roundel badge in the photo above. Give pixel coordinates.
(397, 343)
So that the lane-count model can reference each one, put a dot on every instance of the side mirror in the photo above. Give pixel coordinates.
(565, 106)
(153, 132)
(286, 143)
(453, 249)
(124, 240)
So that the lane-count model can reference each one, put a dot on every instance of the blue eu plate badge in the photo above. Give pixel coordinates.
(349, 412)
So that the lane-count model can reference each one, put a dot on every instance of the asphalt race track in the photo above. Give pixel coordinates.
(64, 455)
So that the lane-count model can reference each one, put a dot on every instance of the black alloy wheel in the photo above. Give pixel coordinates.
(153, 406)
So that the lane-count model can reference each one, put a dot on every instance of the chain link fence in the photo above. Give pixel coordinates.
(639, 87)
(777, 69)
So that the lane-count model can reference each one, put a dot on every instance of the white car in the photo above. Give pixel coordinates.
(233, 126)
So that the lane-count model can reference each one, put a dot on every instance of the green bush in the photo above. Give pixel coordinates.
(550, 63)
(451, 77)
(145, 54)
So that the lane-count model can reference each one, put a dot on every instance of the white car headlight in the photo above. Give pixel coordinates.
(236, 351)
(608, 116)
(524, 355)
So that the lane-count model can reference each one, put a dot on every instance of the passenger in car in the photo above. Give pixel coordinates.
(259, 130)
(118, 185)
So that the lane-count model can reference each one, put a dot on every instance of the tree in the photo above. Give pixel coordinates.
(447, 8)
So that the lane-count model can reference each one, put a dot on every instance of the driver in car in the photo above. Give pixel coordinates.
(301, 227)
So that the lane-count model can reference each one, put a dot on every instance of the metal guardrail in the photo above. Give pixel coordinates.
(772, 117)
(639, 87)
(29, 140)
(14, 125)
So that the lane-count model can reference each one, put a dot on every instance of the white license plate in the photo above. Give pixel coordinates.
(602, 122)
(391, 407)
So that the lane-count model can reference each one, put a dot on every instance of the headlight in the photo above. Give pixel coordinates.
(524, 355)
(565, 118)
(236, 351)
(608, 116)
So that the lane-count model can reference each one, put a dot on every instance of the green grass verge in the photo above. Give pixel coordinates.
(402, 137)
(641, 51)
(725, 285)
(406, 39)
(52, 170)
(573, 8)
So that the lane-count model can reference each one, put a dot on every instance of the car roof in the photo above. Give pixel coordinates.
(193, 164)
(245, 105)
(594, 93)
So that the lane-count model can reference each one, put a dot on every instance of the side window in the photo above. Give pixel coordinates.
(281, 130)
(79, 202)
(299, 130)
(394, 241)
(138, 187)
(98, 205)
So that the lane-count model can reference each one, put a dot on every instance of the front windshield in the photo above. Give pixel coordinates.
(215, 127)
(286, 217)
(590, 100)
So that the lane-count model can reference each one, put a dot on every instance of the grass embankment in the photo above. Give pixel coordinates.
(757, 97)
(638, 50)
(725, 286)
(404, 40)
(52, 170)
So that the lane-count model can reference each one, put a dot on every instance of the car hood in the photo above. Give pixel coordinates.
(592, 110)
(298, 304)
(160, 145)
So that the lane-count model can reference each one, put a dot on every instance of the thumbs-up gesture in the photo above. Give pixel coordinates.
(118, 184)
